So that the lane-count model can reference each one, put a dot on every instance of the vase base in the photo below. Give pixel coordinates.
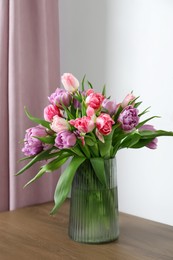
(95, 241)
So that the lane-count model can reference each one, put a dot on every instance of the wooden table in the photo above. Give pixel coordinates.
(31, 233)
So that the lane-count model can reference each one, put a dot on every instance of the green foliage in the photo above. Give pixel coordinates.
(37, 120)
(89, 84)
(98, 166)
(105, 148)
(104, 90)
(47, 139)
(44, 155)
(83, 83)
(49, 167)
(145, 121)
(64, 183)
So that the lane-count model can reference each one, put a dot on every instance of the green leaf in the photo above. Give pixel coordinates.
(130, 140)
(77, 112)
(85, 150)
(118, 136)
(56, 163)
(47, 139)
(94, 150)
(65, 181)
(77, 151)
(145, 121)
(104, 90)
(90, 85)
(153, 134)
(52, 166)
(144, 112)
(37, 120)
(106, 146)
(26, 158)
(37, 176)
(89, 140)
(116, 148)
(148, 136)
(73, 110)
(39, 157)
(78, 98)
(147, 133)
(83, 108)
(98, 166)
(142, 143)
(115, 117)
(69, 114)
(137, 104)
(133, 100)
(83, 81)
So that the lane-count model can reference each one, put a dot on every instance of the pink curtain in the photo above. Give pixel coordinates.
(29, 73)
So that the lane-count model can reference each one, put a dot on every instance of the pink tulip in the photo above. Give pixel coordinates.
(89, 91)
(84, 124)
(69, 82)
(90, 111)
(59, 124)
(50, 111)
(100, 136)
(127, 99)
(95, 100)
(104, 124)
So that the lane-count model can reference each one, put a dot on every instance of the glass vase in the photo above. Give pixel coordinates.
(94, 207)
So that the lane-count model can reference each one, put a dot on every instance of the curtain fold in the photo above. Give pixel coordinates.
(29, 73)
(4, 129)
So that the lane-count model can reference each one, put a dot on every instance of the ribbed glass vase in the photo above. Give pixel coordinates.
(94, 207)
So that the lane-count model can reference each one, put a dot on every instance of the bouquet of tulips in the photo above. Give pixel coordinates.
(82, 124)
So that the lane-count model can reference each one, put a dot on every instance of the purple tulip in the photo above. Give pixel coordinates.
(65, 139)
(109, 105)
(60, 96)
(128, 118)
(153, 143)
(147, 128)
(76, 103)
(32, 145)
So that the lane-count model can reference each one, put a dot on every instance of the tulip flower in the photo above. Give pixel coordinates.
(65, 139)
(32, 145)
(70, 83)
(128, 118)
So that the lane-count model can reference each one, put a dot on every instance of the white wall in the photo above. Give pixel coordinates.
(83, 39)
(127, 44)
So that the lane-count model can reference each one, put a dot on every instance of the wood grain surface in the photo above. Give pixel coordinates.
(32, 234)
